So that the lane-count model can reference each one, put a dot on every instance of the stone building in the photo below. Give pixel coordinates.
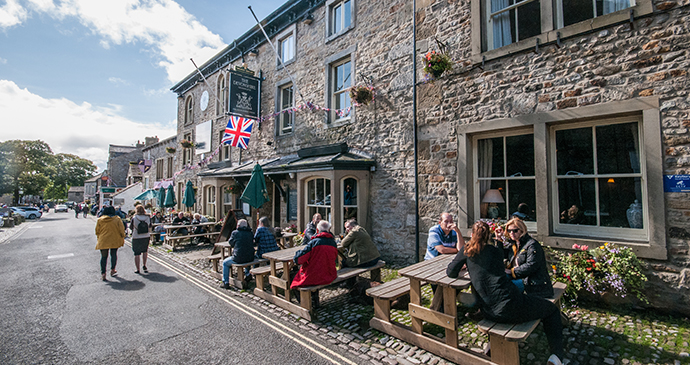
(162, 163)
(119, 158)
(572, 120)
(75, 194)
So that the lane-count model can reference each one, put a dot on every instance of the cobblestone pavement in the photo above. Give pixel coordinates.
(594, 336)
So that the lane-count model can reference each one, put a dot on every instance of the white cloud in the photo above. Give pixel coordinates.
(163, 26)
(118, 81)
(12, 14)
(80, 129)
(3, 61)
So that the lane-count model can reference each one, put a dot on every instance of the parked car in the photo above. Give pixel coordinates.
(19, 211)
(32, 212)
(61, 208)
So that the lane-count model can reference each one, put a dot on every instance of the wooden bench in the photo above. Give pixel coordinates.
(505, 337)
(385, 293)
(172, 241)
(343, 274)
(238, 280)
(260, 273)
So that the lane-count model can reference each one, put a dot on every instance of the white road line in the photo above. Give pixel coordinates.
(273, 324)
(64, 255)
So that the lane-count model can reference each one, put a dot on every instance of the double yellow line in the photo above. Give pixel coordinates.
(284, 330)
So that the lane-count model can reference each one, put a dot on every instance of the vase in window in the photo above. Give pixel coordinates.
(634, 214)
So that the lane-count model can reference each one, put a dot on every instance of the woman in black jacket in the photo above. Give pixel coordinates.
(526, 260)
(498, 298)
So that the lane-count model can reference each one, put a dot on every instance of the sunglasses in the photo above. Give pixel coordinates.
(513, 230)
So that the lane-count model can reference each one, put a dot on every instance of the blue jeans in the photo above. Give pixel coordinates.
(518, 282)
(227, 266)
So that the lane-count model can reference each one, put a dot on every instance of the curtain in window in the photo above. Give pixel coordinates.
(486, 152)
(614, 5)
(501, 24)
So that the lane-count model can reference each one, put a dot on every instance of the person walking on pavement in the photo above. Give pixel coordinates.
(77, 210)
(110, 232)
(141, 226)
(84, 209)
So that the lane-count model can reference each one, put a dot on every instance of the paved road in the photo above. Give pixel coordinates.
(54, 309)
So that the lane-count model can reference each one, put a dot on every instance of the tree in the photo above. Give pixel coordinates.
(25, 166)
(68, 170)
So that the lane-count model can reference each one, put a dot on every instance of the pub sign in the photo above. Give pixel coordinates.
(244, 95)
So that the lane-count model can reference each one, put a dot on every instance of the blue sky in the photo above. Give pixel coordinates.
(82, 74)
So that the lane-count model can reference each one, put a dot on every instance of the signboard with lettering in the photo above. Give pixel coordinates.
(292, 204)
(244, 95)
(677, 183)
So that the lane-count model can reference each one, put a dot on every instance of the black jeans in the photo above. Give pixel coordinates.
(104, 259)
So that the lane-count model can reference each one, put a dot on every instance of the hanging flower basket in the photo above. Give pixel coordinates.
(436, 63)
(234, 189)
(186, 144)
(170, 149)
(362, 95)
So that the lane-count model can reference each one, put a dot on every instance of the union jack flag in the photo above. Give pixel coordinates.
(238, 131)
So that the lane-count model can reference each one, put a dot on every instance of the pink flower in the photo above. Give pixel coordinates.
(584, 247)
(576, 246)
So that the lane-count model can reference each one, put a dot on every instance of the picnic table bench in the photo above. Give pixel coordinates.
(281, 262)
(171, 240)
(505, 337)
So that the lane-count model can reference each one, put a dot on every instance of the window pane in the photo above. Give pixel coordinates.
(490, 155)
(575, 11)
(311, 192)
(577, 201)
(287, 98)
(618, 149)
(319, 191)
(337, 21)
(574, 152)
(529, 20)
(494, 210)
(617, 196)
(609, 6)
(347, 14)
(522, 199)
(350, 192)
(520, 155)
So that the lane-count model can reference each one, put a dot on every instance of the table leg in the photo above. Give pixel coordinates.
(450, 308)
(274, 273)
(286, 277)
(416, 298)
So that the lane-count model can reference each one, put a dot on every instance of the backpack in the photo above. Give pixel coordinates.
(142, 227)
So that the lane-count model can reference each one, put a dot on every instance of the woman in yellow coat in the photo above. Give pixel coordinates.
(111, 235)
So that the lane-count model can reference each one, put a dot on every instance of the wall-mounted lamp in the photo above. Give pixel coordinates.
(292, 175)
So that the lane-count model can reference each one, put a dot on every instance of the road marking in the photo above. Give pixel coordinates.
(64, 255)
(270, 322)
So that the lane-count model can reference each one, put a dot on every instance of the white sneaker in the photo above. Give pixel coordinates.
(554, 360)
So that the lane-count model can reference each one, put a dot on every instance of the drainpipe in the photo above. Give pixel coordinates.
(414, 126)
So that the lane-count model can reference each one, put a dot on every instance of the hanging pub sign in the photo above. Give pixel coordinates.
(244, 94)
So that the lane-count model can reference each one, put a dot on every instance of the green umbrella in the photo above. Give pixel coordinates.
(147, 195)
(188, 199)
(161, 196)
(170, 198)
(256, 194)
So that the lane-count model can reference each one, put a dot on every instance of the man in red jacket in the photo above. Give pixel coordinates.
(317, 259)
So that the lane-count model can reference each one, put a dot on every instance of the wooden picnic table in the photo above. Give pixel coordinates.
(433, 272)
(285, 241)
(281, 281)
(170, 239)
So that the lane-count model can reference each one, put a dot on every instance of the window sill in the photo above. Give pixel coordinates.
(337, 35)
(643, 8)
(642, 249)
(340, 122)
(286, 63)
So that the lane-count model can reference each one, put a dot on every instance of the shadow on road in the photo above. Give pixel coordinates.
(119, 283)
(51, 218)
(157, 277)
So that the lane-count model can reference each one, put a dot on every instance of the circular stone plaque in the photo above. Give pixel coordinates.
(203, 103)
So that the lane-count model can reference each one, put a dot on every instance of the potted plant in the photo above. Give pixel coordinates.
(170, 149)
(362, 95)
(186, 144)
(436, 63)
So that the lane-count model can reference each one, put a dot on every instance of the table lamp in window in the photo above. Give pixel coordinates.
(492, 197)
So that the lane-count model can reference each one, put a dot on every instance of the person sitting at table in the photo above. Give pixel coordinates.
(180, 220)
(498, 298)
(198, 219)
(444, 238)
(357, 247)
(242, 242)
(522, 212)
(317, 259)
(526, 265)
(310, 231)
(264, 239)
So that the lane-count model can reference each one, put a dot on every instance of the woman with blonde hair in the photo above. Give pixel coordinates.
(141, 226)
(110, 233)
(500, 300)
(526, 261)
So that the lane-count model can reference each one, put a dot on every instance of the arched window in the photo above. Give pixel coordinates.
(211, 201)
(222, 94)
(349, 188)
(189, 110)
(319, 198)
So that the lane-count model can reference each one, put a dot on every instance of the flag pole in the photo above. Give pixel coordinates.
(280, 59)
(220, 102)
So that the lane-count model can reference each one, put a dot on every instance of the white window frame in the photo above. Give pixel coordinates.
(329, 208)
(331, 6)
(596, 230)
(287, 116)
(225, 153)
(333, 94)
(221, 106)
(210, 200)
(551, 30)
(531, 225)
(189, 110)
(289, 33)
(647, 109)
(187, 153)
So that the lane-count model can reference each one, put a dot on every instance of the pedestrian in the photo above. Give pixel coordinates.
(84, 209)
(76, 210)
(110, 233)
(141, 226)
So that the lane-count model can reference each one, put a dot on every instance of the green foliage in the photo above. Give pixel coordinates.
(435, 64)
(607, 268)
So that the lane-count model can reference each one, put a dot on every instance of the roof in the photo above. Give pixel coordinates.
(160, 143)
(76, 189)
(129, 187)
(332, 157)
